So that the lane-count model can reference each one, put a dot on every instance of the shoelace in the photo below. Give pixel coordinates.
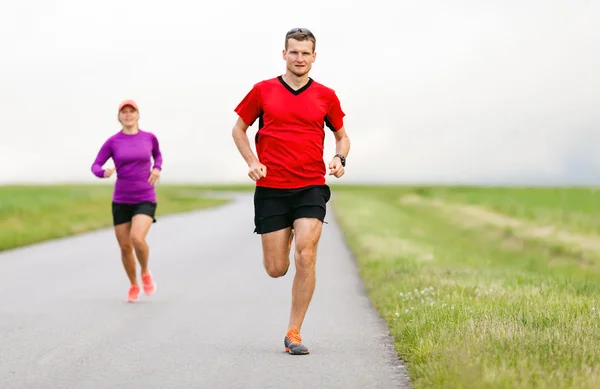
(295, 338)
(147, 281)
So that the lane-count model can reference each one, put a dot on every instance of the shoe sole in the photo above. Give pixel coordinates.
(287, 350)
(133, 300)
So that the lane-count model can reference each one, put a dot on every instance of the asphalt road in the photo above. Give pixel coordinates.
(216, 321)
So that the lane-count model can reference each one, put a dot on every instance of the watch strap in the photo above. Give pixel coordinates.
(342, 158)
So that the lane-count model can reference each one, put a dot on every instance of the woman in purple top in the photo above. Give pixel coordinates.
(134, 196)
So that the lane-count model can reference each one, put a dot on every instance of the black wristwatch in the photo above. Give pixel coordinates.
(342, 158)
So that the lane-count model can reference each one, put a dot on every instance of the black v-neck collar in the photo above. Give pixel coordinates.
(292, 90)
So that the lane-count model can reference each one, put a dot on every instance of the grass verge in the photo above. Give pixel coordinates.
(31, 214)
(476, 304)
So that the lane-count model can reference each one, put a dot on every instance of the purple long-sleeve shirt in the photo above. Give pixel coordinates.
(131, 155)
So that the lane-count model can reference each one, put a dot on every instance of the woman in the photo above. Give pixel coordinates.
(134, 196)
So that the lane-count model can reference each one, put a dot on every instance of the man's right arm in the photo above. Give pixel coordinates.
(248, 111)
(256, 170)
(240, 137)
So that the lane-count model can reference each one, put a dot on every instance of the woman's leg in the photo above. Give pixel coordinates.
(140, 225)
(122, 231)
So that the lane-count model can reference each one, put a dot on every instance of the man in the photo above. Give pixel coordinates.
(291, 193)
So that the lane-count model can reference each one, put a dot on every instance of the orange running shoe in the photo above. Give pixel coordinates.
(134, 292)
(293, 343)
(149, 285)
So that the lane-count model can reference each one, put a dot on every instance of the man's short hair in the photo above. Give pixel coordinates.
(300, 34)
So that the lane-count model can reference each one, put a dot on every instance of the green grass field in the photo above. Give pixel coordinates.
(483, 287)
(31, 214)
(480, 287)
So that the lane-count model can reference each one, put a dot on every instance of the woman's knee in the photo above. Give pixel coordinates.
(126, 247)
(137, 240)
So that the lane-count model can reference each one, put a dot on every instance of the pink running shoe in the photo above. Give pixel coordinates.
(149, 285)
(134, 292)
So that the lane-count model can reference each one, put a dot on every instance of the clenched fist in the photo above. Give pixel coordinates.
(154, 176)
(335, 167)
(109, 172)
(257, 171)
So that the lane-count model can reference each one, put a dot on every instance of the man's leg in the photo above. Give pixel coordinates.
(309, 215)
(272, 221)
(308, 233)
(276, 251)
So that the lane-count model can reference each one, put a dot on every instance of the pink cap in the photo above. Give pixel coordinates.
(128, 102)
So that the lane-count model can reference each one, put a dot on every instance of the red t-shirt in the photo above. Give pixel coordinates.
(291, 130)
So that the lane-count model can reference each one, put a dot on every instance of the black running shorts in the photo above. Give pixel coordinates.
(276, 209)
(123, 213)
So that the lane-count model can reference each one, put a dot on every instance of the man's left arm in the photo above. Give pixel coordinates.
(335, 121)
(342, 148)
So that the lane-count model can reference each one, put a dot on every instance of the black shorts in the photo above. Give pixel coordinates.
(276, 209)
(123, 213)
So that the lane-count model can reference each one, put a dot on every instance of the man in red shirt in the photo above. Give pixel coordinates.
(291, 194)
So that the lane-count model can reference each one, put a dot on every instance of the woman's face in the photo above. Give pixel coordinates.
(128, 116)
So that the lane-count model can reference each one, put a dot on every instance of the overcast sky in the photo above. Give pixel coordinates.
(434, 90)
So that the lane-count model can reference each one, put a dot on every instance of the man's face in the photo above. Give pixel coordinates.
(299, 56)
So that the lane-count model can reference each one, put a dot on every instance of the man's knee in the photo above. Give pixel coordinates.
(276, 252)
(306, 258)
(276, 266)
(277, 269)
(276, 272)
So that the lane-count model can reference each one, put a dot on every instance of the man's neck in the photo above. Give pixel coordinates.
(294, 81)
